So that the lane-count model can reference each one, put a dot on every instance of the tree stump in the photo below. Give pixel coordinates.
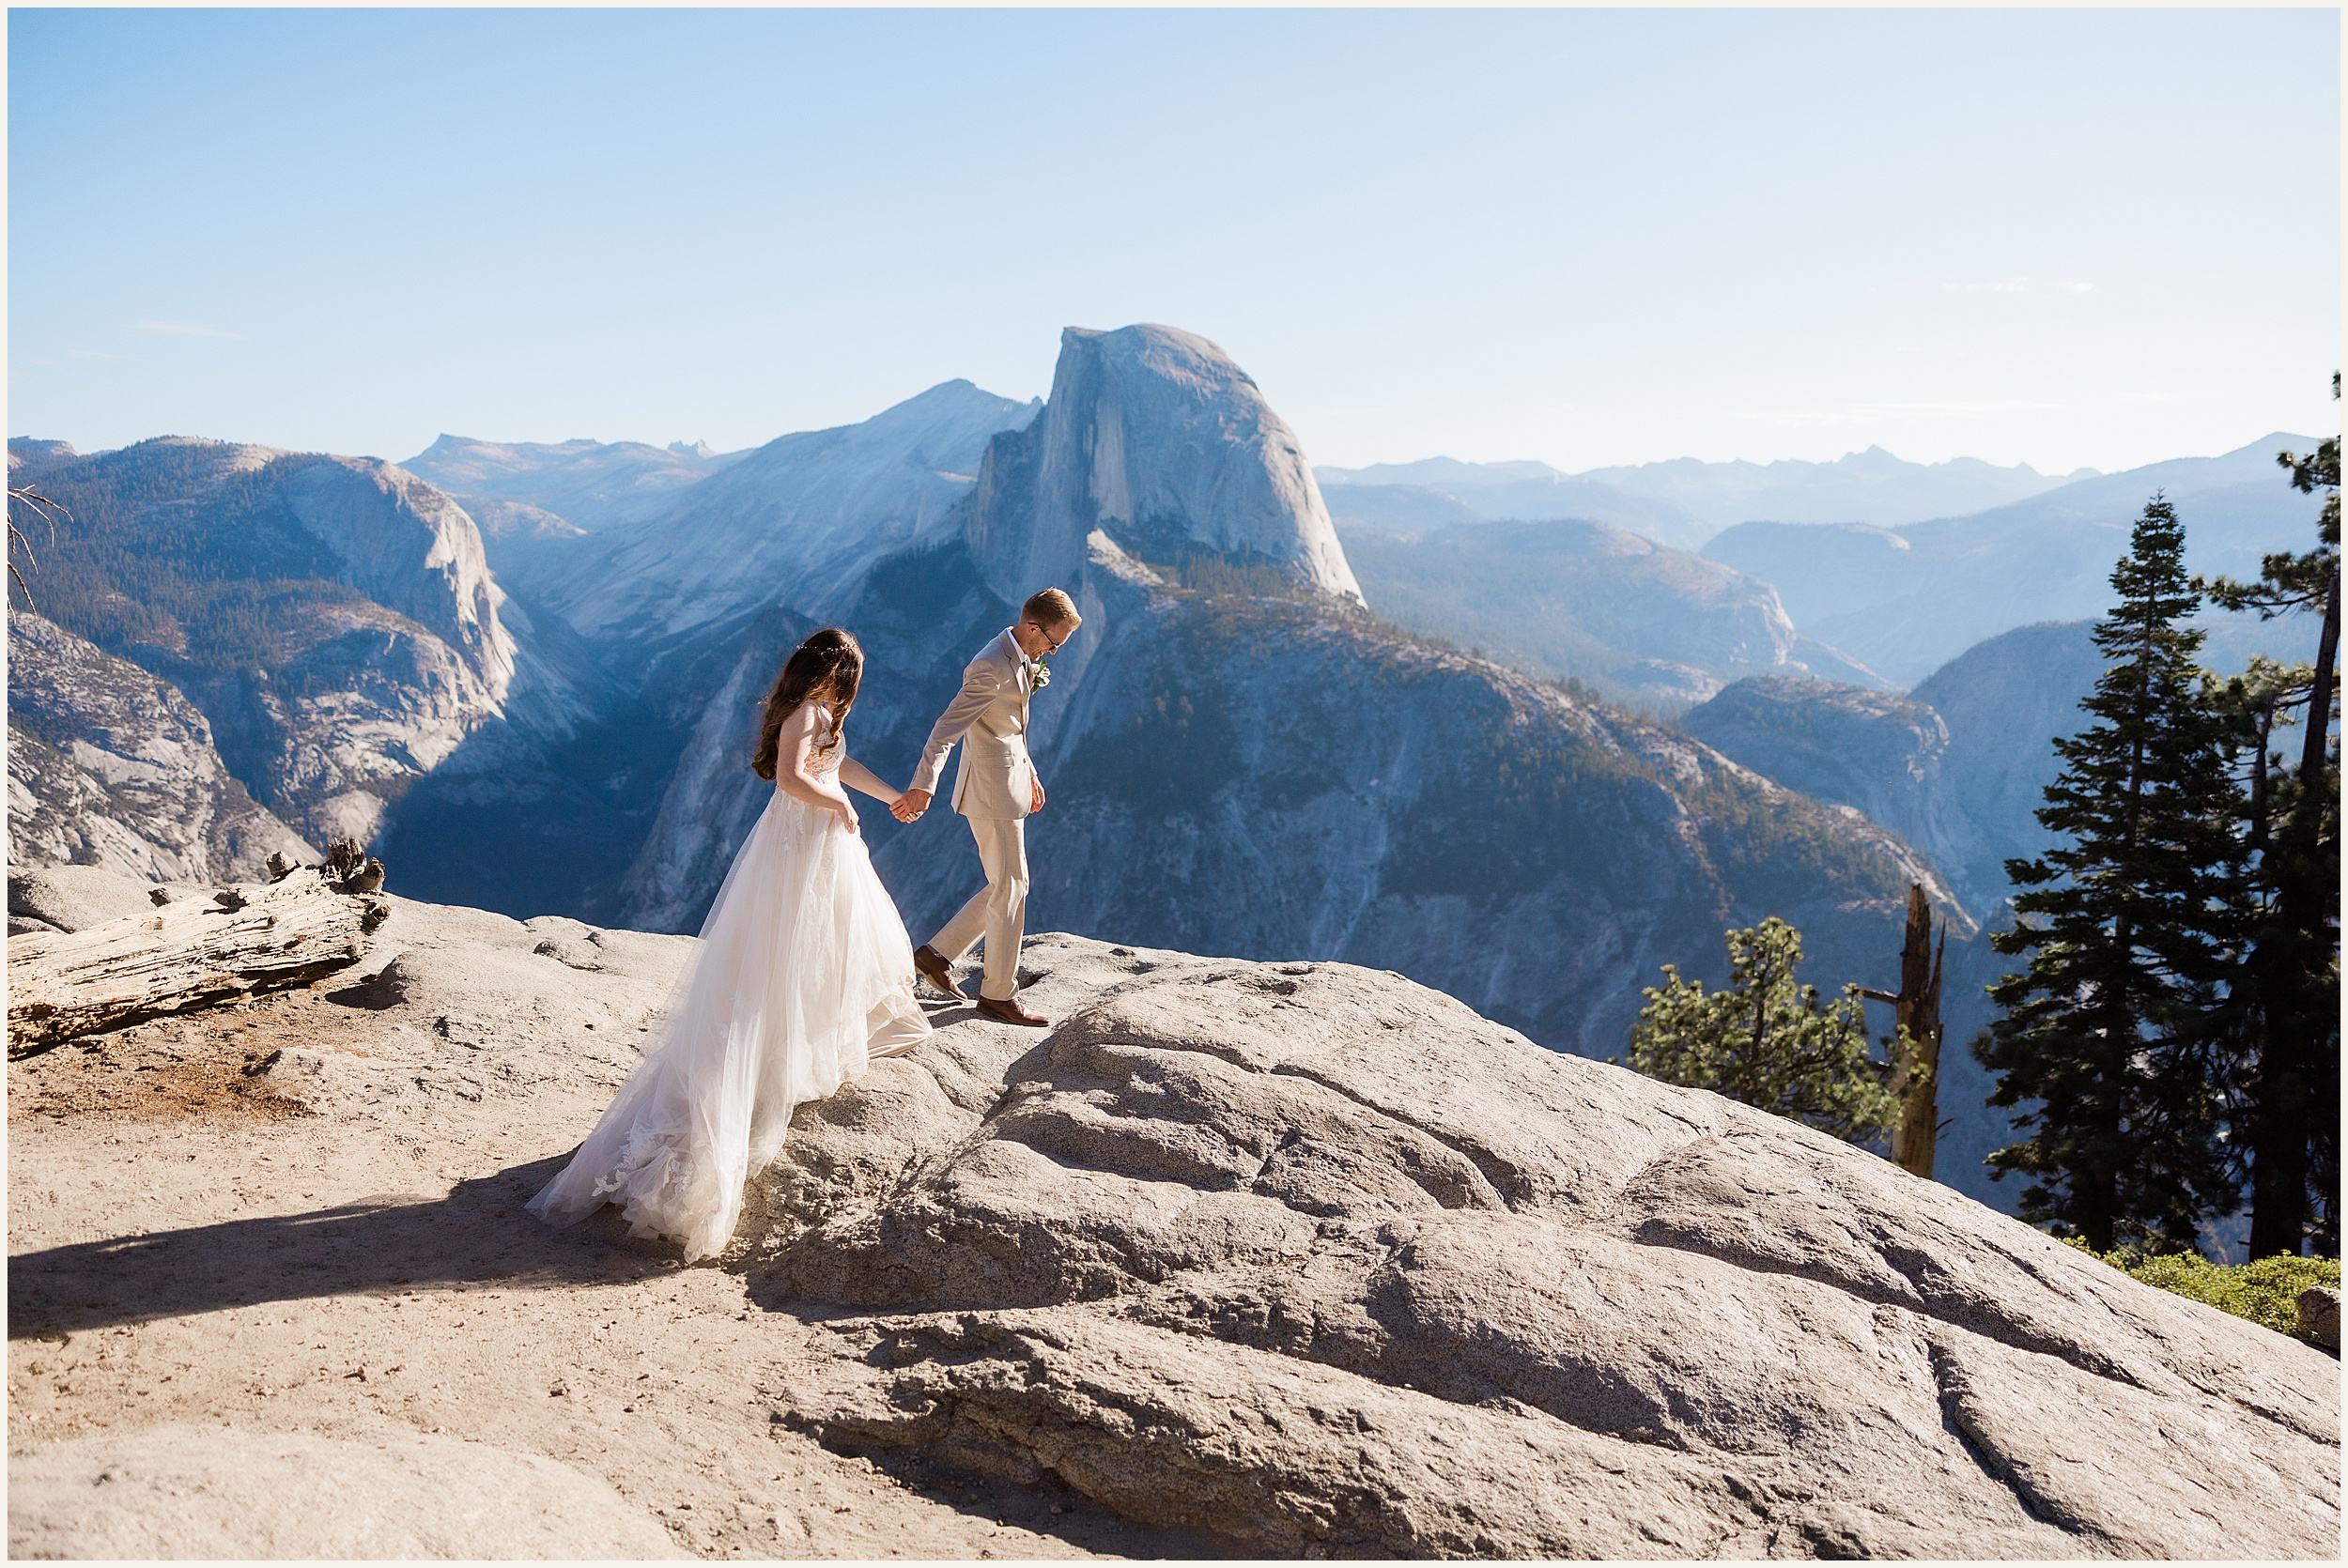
(1916, 1040)
(193, 952)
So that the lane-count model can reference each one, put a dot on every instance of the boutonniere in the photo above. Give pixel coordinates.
(1043, 677)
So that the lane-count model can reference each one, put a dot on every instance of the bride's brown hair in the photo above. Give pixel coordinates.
(827, 668)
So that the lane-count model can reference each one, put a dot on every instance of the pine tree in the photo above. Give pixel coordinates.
(2285, 1076)
(1766, 1041)
(2108, 1043)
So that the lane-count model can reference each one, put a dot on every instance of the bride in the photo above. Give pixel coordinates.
(804, 974)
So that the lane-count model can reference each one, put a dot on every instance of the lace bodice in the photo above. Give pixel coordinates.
(824, 762)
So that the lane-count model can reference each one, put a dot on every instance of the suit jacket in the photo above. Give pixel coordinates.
(991, 714)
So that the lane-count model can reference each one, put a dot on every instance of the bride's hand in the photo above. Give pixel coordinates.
(847, 815)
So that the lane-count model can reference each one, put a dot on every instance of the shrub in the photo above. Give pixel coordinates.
(1767, 1041)
(2266, 1292)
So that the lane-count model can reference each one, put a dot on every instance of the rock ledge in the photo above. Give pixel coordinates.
(1319, 1261)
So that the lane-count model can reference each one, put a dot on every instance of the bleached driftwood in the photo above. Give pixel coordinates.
(206, 949)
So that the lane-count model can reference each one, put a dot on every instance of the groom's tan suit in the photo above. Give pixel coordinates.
(994, 787)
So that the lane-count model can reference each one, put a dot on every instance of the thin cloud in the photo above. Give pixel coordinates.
(88, 354)
(180, 330)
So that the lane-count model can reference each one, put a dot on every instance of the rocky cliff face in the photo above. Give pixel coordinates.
(1958, 767)
(334, 619)
(1639, 622)
(110, 767)
(410, 549)
(1879, 752)
(1260, 775)
(2004, 701)
(1155, 438)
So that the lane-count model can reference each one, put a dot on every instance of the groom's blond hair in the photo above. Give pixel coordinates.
(1051, 607)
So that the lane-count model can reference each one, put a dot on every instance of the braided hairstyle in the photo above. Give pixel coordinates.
(827, 668)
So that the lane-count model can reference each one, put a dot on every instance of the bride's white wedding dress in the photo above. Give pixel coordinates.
(804, 974)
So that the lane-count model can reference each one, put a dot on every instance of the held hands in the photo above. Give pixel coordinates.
(908, 807)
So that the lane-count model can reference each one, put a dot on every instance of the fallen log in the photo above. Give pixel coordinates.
(193, 952)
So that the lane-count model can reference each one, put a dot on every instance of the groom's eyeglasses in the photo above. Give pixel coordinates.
(1051, 643)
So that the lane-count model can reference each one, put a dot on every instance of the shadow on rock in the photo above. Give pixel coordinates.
(478, 1234)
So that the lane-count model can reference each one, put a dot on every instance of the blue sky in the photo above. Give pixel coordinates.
(2064, 238)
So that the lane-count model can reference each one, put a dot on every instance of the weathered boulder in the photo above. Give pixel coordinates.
(1320, 1260)
(188, 1491)
(2319, 1314)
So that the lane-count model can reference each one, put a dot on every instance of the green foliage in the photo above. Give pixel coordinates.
(2283, 1012)
(1768, 1042)
(2105, 1050)
(1749, 831)
(2266, 1292)
(163, 550)
(1216, 577)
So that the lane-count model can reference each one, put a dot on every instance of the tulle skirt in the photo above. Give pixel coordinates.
(803, 960)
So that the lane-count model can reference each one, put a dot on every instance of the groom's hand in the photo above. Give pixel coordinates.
(1035, 796)
(910, 805)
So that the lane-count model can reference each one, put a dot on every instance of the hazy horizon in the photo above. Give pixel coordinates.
(1588, 238)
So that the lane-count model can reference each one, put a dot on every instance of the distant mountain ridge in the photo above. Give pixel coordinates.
(1905, 600)
(590, 484)
(799, 521)
(1860, 487)
(1684, 501)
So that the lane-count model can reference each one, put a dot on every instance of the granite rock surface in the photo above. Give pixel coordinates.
(1261, 1259)
(1319, 1260)
(110, 767)
(176, 1493)
(1156, 438)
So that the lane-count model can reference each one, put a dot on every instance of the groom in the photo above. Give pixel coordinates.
(997, 788)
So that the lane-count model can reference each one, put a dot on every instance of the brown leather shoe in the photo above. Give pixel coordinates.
(1012, 1012)
(934, 969)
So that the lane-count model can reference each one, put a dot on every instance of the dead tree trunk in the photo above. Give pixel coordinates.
(206, 948)
(1916, 1010)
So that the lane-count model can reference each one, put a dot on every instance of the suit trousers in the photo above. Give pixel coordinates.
(998, 910)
